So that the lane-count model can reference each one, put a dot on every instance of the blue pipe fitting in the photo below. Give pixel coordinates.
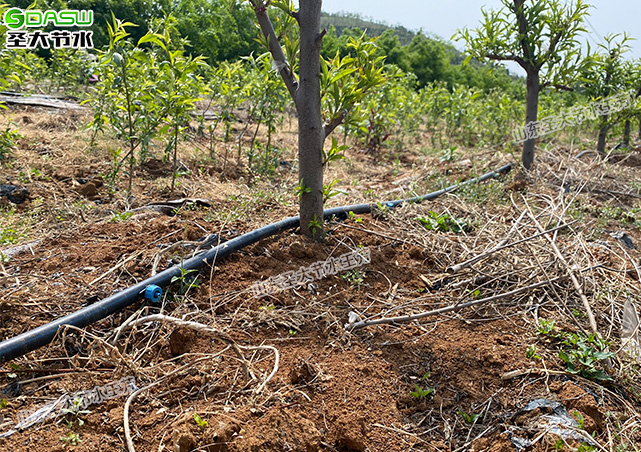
(153, 293)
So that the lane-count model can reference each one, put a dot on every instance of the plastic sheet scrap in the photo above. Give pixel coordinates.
(556, 420)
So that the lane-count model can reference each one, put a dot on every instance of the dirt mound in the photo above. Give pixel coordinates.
(279, 431)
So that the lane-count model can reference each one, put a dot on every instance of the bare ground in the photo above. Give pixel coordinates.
(334, 389)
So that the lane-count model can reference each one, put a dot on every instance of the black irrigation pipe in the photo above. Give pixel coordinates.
(43, 335)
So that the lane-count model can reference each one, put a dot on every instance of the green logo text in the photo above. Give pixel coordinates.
(16, 18)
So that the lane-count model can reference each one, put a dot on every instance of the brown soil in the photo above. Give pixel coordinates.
(334, 390)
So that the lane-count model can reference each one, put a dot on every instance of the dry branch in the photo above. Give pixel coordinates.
(130, 443)
(116, 267)
(206, 329)
(570, 271)
(457, 307)
(501, 246)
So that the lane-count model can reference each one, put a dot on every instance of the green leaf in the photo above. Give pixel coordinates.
(342, 74)
(564, 357)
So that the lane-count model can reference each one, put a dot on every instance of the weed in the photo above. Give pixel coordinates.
(33, 173)
(470, 418)
(23, 178)
(352, 216)
(578, 314)
(545, 326)
(123, 216)
(200, 422)
(74, 413)
(605, 214)
(8, 139)
(531, 352)
(583, 354)
(579, 419)
(580, 352)
(71, 438)
(186, 282)
(420, 393)
(482, 194)
(443, 223)
(355, 278)
(382, 208)
(9, 235)
(449, 154)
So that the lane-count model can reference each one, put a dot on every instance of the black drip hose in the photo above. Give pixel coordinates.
(43, 335)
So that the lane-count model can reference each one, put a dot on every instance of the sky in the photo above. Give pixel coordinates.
(443, 18)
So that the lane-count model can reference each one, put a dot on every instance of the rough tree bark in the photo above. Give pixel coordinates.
(627, 129)
(310, 123)
(531, 114)
(307, 97)
(603, 133)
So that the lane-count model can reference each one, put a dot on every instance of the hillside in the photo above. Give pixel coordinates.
(344, 20)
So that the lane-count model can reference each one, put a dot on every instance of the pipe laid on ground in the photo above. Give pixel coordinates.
(31, 340)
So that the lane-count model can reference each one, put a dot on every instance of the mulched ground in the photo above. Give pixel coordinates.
(454, 382)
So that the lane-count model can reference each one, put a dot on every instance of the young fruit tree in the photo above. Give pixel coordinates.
(607, 75)
(343, 82)
(541, 37)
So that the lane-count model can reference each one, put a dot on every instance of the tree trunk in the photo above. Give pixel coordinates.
(603, 133)
(275, 49)
(310, 125)
(626, 133)
(531, 114)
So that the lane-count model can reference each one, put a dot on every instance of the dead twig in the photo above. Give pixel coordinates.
(501, 246)
(206, 329)
(130, 443)
(570, 271)
(115, 267)
(457, 307)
